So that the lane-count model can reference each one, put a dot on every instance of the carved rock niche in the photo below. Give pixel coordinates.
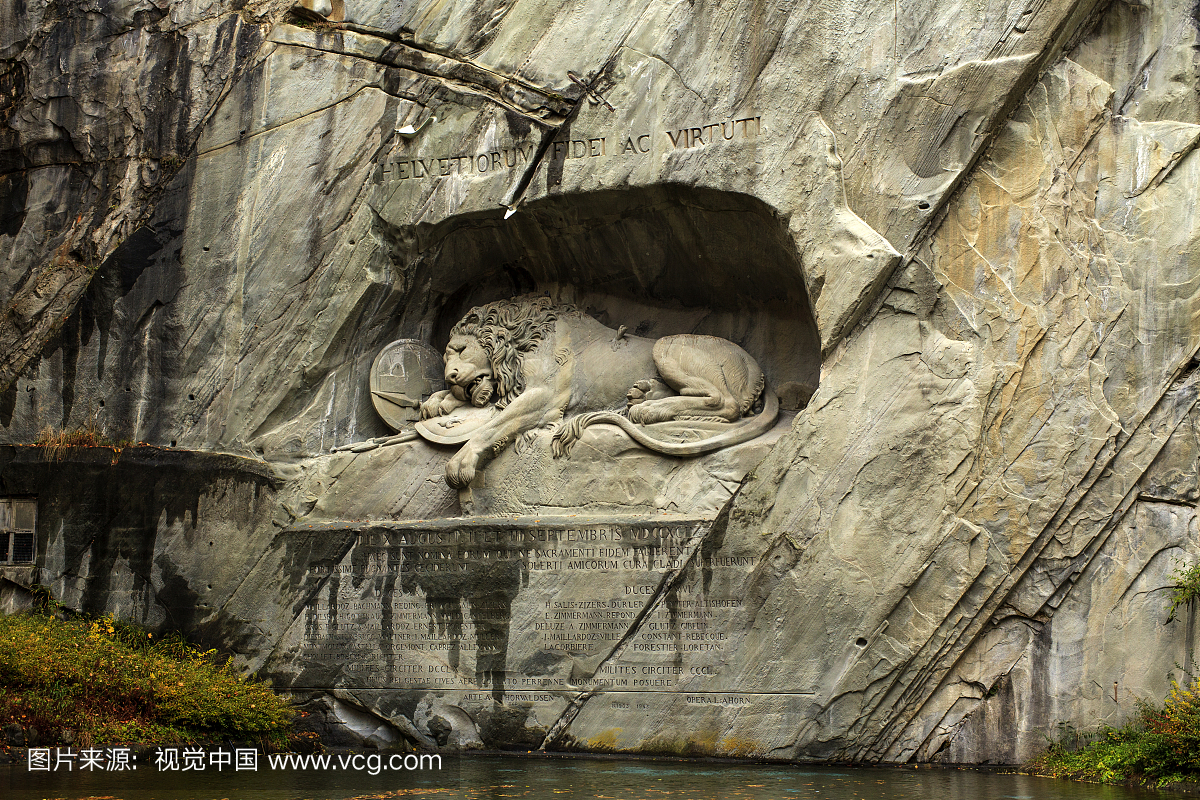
(646, 264)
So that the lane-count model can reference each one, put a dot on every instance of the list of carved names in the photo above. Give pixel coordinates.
(379, 620)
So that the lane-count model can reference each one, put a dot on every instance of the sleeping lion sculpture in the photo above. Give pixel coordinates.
(534, 364)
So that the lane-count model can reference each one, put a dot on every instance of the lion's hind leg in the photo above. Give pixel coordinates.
(711, 375)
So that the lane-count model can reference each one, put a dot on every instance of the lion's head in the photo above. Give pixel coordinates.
(483, 357)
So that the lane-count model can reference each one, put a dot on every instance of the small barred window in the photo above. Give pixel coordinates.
(18, 521)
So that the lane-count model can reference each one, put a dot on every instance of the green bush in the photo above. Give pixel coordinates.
(112, 682)
(1161, 745)
(1186, 588)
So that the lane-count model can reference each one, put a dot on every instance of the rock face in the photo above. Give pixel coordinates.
(958, 241)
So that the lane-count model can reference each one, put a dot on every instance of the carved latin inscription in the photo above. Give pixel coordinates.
(579, 148)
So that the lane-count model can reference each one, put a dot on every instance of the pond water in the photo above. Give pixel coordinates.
(545, 778)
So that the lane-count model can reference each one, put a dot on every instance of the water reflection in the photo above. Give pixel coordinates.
(488, 777)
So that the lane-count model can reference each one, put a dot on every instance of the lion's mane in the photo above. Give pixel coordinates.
(506, 329)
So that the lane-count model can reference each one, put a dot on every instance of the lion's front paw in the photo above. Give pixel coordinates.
(439, 404)
(430, 408)
(461, 469)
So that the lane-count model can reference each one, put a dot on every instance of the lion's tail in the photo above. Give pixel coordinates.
(571, 432)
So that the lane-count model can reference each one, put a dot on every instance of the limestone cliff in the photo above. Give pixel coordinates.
(959, 239)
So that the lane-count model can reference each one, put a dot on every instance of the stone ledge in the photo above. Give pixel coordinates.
(557, 523)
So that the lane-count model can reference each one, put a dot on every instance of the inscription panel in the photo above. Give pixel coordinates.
(510, 607)
(413, 164)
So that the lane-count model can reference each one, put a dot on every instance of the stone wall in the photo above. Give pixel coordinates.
(958, 239)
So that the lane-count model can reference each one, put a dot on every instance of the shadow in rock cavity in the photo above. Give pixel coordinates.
(660, 260)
